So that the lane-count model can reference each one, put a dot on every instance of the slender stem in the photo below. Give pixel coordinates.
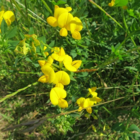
(31, 12)
(105, 13)
(124, 21)
(47, 7)
(29, 72)
(19, 9)
(118, 87)
(16, 92)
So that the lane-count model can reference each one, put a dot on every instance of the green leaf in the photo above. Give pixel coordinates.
(134, 136)
(131, 13)
(52, 43)
(6, 117)
(136, 132)
(13, 43)
(28, 59)
(133, 127)
(131, 68)
(42, 39)
(61, 2)
(11, 33)
(3, 27)
(121, 2)
(73, 53)
(36, 65)
(31, 31)
(83, 74)
(118, 127)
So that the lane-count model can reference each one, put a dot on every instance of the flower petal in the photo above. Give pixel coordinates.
(52, 21)
(64, 19)
(59, 85)
(69, 9)
(95, 100)
(80, 109)
(71, 66)
(58, 55)
(43, 79)
(76, 63)
(61, 77)
(63, 103)
(88, 103)
(41, 62)
(93, 89)
(49, 72)
(63, 32)
(54, 97)
(89, 110)
(57, 94)
(67, 60)
(9, 17)
(75, 25)
(76, 35)
(58, 11)
(80, 101)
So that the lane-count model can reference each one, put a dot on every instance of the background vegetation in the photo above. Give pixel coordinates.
(113, 49)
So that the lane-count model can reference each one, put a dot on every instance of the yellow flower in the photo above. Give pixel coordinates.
(71, 65)
(88, 103)
(46, 53)
(94, 98)
(59, 54)
(85, 103)
(92, 91)
(61, 77)
(80, 103)
(8, 16)
(47, 62)
(57, 96)
(34, 37)
(48, 76)
(64, 23)
(52, 20)
(22, 47)
(112, 3)
(63, 32)
(75, 28)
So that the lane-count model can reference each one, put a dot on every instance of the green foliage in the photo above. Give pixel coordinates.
(111, 52)
(121, 3)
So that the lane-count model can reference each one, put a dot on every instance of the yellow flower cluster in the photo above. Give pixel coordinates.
(88, 102)
(23, 47)
(65, 20)
(59, 78)
(8, 16)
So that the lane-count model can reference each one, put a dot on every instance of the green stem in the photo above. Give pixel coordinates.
(124, 21)
(29, 72)
(47, 7)
(105, 13)
(16, 92)
(31, 13)
(19, 9)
